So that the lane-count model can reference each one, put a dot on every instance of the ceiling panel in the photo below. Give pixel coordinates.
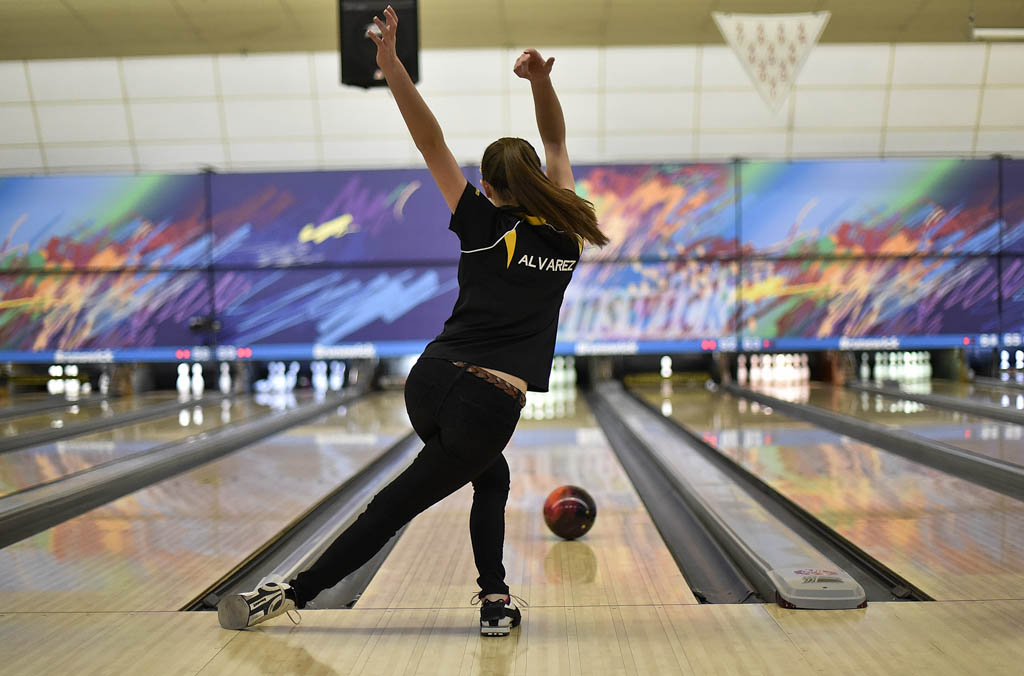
(90, 28)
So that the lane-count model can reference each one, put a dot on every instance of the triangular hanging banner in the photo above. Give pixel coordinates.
(772, 47)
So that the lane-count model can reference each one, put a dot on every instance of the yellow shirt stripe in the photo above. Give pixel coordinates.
(510, 245)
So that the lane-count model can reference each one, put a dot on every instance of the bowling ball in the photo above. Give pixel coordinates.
(569, 512)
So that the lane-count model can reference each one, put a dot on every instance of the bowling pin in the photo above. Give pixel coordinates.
(865, 370)
(198, 384)
(282, 377)
(275, 376)
(184, 384)
(55, 385)
(319, 376)
(293, 375)
(224, 380)
(337, 378)
(741, 370)
(71, 382)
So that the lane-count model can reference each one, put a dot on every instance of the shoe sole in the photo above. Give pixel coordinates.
(233, 612)
(499, 630)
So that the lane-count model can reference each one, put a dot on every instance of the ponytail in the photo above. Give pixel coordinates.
(512, 167)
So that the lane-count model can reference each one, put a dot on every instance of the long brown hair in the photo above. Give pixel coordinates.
(512, 167)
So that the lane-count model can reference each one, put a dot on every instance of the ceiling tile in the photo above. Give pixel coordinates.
(162, 77)
(82, 122)
(114, 157)
(20, 160)
(17, 124)
(260, 74)
(13, 85)
(71, 79)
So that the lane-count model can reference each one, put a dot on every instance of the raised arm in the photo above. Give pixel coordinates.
(550, 121)
(426, 132)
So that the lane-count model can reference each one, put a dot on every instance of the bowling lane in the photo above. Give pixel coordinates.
(158, 547)
(951, 538)
(10, 403)
(47, 462)
(992, 438)
(621, 562)
(62, 417)
(1000, 396)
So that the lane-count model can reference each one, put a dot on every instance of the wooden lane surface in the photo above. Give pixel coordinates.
(963, 637)
(47, 462)
(623, 561)
(72, 414)
(157, 548)
(992, 438)
(951, 538)
(986, 394)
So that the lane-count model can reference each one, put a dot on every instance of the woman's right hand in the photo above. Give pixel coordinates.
(386, 39)
(531, 65)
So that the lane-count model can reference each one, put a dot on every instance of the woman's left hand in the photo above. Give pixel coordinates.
(386, 54)
(531, 65)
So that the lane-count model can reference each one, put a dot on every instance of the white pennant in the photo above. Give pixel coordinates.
(772, 47)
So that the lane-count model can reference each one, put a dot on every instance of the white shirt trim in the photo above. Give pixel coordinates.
(487, 248)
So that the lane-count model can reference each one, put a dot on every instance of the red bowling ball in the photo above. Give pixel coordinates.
(569, 512)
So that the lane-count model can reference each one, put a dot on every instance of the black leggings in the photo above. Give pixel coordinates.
(465, 423)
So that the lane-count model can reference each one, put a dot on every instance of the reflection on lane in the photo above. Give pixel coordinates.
(9, 403)
(156, 548)
(951, 538)
(47, 462)
(74, 413)
(992, 438)
(984, 393)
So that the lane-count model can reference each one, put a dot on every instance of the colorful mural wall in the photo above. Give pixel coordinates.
(773, 250)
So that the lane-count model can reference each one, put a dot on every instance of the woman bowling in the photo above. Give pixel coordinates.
(520, 234)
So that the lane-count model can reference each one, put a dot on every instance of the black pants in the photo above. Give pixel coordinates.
(465, 423)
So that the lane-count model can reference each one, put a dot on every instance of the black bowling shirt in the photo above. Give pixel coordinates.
(513, 272)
